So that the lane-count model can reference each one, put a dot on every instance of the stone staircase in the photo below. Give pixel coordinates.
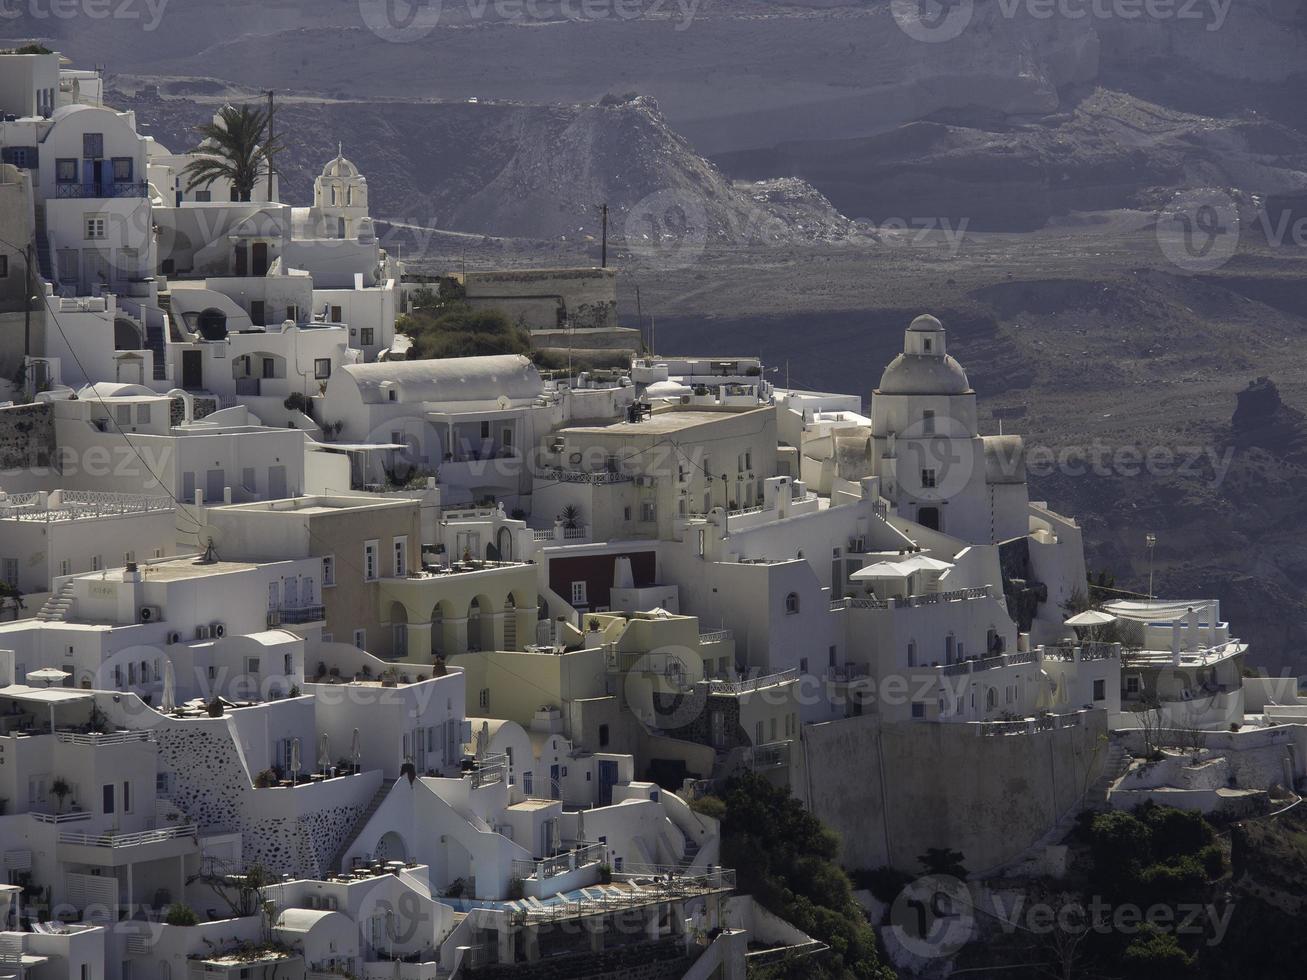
(348, 840)
(58, 606)
(1095, 798)
(691, 852)
(1114, 767)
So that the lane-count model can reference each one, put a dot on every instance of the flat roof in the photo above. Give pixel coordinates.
(45, 695)
(313, 504)
(187, 568)
(660, 423)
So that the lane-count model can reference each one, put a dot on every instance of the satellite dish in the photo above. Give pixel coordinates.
(502, 401)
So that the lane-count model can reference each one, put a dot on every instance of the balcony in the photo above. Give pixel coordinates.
(588, 854)
(126, 188)
(115, 849)
(295, 616)
(751, 684)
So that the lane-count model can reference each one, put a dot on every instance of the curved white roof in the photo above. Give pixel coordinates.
(450, 379)
(924, 374)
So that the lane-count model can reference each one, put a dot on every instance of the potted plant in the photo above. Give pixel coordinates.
(605, 874)
(60, 789)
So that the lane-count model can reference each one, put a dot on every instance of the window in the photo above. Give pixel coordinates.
(321, 368)
(95, 227)
(367, 336)
(328, 570)
(527, 779)
(10, 571)
(792, 604)
(485, 430)
(370, 561)
(257, 313)
(293, 312)
(335, 314)
(127, 797)
(928, 422)
(97, 563)
(92, 146)
(603, 735)
(1100, 690)
(918, 709)
(401, 556)
(203, 197)
(649, 511)
(399, 640)
(65, 171)
(122, 170)
(928, 479)
(803, 665)
(107, 798)
(831, 654)
(4, 267)
(483, 699)
(927, 345)
(578, 594)
(361, 639)
(251, 665)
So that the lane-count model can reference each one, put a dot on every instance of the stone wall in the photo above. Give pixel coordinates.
(280, 828)
(539, 299)
(26, 436)
(893, 790)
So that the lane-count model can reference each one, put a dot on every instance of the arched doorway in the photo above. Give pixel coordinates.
(481, 624)
(391, 847)
(126, 335)
(928, 517)
(504, 542)
(212, 324)
(398, 631)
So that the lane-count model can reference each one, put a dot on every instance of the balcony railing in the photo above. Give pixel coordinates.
(106, 738)
(716, 636)
(71, 505)
(103, 189)
(560, 863)
(769, 755)
(297, 615)
(600, 477)
(128, 840)
(751, 684)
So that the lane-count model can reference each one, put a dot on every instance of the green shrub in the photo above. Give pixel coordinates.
(180, 914)
(709, 806)
(1213, 860)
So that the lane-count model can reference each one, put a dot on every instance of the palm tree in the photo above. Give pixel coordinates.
(236, 147)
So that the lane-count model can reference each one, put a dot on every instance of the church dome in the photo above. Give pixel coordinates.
(918, 374)
(340, 167)
(925, 323)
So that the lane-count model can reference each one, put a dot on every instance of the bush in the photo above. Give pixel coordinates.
(265, 779)
(298, 402)
(214, 707)
(516, 889)
(1213, 860)
(709, 806)
(461, 332)
(1156, 955)
(180, 914)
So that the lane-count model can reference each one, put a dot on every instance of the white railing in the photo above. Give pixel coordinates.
(57, 818)
(73, 505)
(105, 738)
(716, 636)
(750, 684)
(560, 863)
(600, 477)
(128, 840)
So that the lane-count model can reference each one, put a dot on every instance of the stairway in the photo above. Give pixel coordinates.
(348, 840)
(691, 851)
(154, 340)
(58, 606)
(1115, 766)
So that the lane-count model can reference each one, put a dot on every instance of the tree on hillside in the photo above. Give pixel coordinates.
(787, 860)
(462, 332)
(237, 146)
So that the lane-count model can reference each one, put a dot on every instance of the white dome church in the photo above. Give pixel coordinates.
(935, 467)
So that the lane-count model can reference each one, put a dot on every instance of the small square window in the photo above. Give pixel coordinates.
(918, 709)
(65, 171)
(122, 170)
(321, 368)
(1100, 690)
(928, 479)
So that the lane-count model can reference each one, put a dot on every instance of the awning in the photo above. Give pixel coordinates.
(883, 569)
(352, 447)
(45, 695)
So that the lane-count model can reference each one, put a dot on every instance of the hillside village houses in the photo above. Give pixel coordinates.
(430, 677)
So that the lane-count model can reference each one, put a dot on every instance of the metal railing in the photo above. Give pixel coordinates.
(128, 840)
(103, 189)
(601, 477)
(769, 755)
(716, 636)
(295, 615)
(551, 867)
(751, 684)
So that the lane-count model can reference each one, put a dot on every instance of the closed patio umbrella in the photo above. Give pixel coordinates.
(324, 752)
(295, 759)
(356, 750)
(168, 700)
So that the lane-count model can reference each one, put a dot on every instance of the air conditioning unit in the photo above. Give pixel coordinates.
(217, 630)
(644, 481)
(174, 637)
(201, 632)
(150, 614)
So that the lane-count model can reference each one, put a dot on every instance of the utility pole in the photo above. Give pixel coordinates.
(28, 297)
(1150, 541)
(603, 246)
(270, 135)
(639, 316)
